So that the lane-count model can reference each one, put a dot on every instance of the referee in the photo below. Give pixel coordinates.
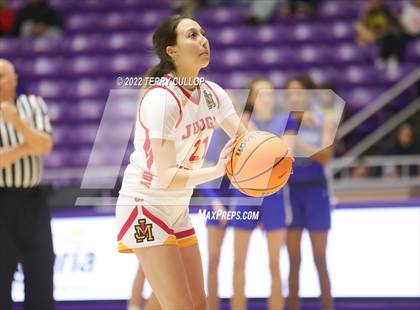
(25, 230)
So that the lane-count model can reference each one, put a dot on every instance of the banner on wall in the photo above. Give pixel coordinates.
(365, 247)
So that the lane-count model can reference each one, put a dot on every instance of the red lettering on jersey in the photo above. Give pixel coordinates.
(210, 122)
(196, 126)
(188, 133)
(147, 178)
(200, 125)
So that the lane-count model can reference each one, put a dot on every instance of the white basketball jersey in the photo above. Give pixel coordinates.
(170, 112)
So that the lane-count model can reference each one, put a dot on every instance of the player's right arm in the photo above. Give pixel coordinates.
(327, 147)
(172, 177)
(159, 115)
(227, 117)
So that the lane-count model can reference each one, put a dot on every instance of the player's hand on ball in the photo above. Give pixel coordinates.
(225, 156)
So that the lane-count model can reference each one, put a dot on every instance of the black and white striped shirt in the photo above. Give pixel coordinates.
(26, 172)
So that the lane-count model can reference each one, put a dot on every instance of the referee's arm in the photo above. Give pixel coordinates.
(40, 143)
(10, 155)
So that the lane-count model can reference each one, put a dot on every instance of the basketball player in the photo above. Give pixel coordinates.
(309, 197)
(261, 116)
(216, 227)
(174, 125)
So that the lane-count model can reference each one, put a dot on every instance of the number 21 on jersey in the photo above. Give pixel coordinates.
(199, 150)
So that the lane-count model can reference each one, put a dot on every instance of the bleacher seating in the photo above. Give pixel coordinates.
(104, 39)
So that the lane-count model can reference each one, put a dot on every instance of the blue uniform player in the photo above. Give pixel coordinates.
(213, 191)
(308, 190)
(261, 116)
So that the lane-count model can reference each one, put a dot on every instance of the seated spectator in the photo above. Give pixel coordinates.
(410, 19)
(261, 12)
(187, 7)
(37, 19)
(7, 18)
(361, 171)
(406, 143)
(307, 7)
(378, 24)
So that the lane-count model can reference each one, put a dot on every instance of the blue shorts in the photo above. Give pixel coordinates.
(310, 207)
(271, 214)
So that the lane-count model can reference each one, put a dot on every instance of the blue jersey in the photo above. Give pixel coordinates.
(279, 124)
(308, 190)
(306, 169)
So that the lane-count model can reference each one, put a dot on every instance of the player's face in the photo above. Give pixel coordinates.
(8, 79)
(192, 48)
(264, 96)
(327, 97)
(296, 95)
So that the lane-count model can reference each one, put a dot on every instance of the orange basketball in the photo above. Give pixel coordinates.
(261, 164)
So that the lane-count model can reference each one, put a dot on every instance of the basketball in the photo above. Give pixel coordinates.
(261, 164)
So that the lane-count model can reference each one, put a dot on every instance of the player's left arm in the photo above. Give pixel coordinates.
(289, 135)
(226, 115)
(39, 141)
(327, 144)
(233, 126)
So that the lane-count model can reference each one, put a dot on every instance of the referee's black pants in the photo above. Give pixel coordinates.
(25, 236)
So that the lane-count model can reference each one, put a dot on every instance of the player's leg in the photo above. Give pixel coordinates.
(147, 231)
(318, 220)
(273, 217)
(319, 250)
(191, 258)
(275, 239)
(293, 239)
(172, 289)
(215, 235)
(136, 298)
(194, 272)
(152, 303)
(294, 199)
(241, 242)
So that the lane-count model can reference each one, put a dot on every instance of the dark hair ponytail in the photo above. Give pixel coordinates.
(161, 69)
(164, 36)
